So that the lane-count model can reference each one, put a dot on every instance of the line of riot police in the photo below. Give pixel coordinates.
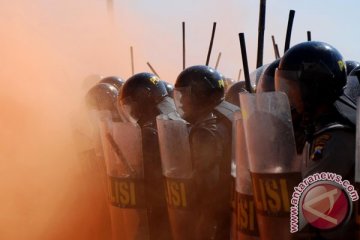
(191, 165)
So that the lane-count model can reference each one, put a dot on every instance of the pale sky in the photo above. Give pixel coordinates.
(159, 38)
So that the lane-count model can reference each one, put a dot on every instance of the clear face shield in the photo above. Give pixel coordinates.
(286, 81)
(129, 108)
(182, 101)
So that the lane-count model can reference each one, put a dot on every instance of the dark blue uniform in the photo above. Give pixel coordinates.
(210, 143)
(332, 149)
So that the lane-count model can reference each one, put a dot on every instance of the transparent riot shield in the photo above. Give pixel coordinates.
(357, 166)
(105, 125)
(125, 175)
(178, 172)
(246, 222)
(274, 167)
(233, 232)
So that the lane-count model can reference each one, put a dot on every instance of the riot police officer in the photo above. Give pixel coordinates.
(101, 100)
(101, 106)
(313, 75)
(143, 97)
(198, 91)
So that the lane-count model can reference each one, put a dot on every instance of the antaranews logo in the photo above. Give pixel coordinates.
(322, 200)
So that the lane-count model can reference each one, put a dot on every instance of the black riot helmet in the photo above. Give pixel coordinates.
(113, 80)
(198, 89)
(355, 72)
(266, 82)
(140, 95)
(350, 65)
(311, 73)
(169, 88)
(232, 94)
(102, 96)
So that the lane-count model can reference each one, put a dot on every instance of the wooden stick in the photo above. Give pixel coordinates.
(238, 78)
(245, 63)
(289, 29)
(132, 60)
(211, 44)
(217, 61)
(308, 35)
(183, 42)
(152, 69)
(276, 51)
(261, 30)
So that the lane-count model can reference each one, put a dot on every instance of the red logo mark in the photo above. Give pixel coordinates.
(325, 206)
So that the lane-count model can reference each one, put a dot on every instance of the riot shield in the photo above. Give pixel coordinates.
(274, 166)
(105, 125)
(233, 233)
(246, 222)
(125, 174)
(357, 166)
(178, 172)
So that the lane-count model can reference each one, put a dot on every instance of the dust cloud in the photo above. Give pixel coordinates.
(47, 48)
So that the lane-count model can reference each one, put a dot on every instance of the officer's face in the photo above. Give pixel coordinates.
(182, 98)
(285, 82)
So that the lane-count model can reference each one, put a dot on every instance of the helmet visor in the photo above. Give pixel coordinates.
(286, 81)
(182, 99)
(130, 109)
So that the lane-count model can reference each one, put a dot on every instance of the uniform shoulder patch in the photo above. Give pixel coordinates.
(319, 145)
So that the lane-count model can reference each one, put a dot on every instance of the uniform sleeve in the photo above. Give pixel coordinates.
(333, 151)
